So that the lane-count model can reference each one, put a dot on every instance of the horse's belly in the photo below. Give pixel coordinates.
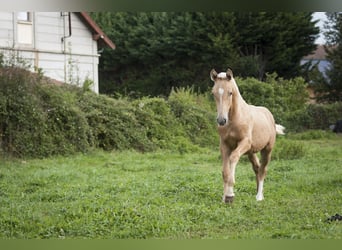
(261, 137)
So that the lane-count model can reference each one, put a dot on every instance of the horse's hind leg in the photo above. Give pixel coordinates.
(265, 159)
(253, 158)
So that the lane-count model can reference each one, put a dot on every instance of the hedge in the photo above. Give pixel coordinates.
(40, 119)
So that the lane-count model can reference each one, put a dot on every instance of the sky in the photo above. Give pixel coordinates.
(322, 18)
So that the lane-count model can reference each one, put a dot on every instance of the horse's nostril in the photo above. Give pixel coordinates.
(221, 121)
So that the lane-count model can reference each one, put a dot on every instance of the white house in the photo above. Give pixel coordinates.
(65, 46)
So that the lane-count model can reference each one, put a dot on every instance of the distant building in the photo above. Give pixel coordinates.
(318, 57)
(63, 45)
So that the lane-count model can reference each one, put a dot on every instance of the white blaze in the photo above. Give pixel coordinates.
(222, 75)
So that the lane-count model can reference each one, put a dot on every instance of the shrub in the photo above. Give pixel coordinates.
(36, 118)
(21, 121)
(288, 150)
(314, 116)
(324, 115)
(191, 110)
(283, 98)
(67, 130)
(145, 124)
(159, 125)
(312, 135)
(113, 123)
(256, 92)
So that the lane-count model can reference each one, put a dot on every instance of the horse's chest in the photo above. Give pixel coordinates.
(231, 137)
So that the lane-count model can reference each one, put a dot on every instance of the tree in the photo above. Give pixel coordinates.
(157, 51)
(274, 41)
(331, 89)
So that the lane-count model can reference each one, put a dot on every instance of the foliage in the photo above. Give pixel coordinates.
(256, 92)
(144, 124)
(275, 41)
(193, 112)
(19, 118)
(38, 119)
(159, 51)
(314, 116)
(168, 195)
(313, 135)
(284, 98)
(288, 150)
(330, 89)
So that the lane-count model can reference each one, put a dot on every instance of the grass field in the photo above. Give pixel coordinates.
(170, 196)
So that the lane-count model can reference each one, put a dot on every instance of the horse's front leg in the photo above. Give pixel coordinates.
(228, 176)
(230, 160)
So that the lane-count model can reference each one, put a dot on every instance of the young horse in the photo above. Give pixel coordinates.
(243, 129)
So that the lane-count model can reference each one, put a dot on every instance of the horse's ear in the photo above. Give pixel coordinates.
(213, 75)
(229, 74)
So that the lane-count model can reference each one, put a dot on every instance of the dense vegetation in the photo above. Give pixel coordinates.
(157, 51)
(330, 88)
(39, 119)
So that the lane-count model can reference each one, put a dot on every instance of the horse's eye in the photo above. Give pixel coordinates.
(230, 93)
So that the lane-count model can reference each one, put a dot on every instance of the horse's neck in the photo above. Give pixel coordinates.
(239, 106)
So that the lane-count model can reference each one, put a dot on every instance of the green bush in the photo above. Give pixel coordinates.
(21, 119)
(159, 125)
(288, 150)
(283, 98)
(144, 124)
(37, 119)
(256, 92)
(324, 115)
(312, 135)
(314, 116)
(67, 130)
(113, 123)
(193, 112)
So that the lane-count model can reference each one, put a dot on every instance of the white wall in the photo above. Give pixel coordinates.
(72, 60)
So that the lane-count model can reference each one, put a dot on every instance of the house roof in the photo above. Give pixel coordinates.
(98, 34)
(319, 54)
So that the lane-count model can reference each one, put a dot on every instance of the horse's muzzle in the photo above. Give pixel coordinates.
(221, 121)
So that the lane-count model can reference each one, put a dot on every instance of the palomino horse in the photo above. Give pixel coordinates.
(243, 129)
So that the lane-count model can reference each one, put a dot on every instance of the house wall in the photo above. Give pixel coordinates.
(71, 59)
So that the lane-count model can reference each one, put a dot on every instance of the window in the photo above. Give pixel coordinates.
(24, 28)
(24, 16)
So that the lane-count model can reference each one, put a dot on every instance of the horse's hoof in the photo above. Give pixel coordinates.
(259, 197)
(228, 199)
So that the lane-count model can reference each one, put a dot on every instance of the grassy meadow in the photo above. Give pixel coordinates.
(167, 195)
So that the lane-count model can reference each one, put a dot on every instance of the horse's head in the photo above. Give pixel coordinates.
(223, 92)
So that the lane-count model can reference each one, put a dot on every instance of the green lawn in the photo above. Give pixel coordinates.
(172, 196)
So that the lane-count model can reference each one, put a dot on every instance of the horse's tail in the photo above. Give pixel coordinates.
(280, 129)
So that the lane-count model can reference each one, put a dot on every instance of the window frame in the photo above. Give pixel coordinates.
(24, 25)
